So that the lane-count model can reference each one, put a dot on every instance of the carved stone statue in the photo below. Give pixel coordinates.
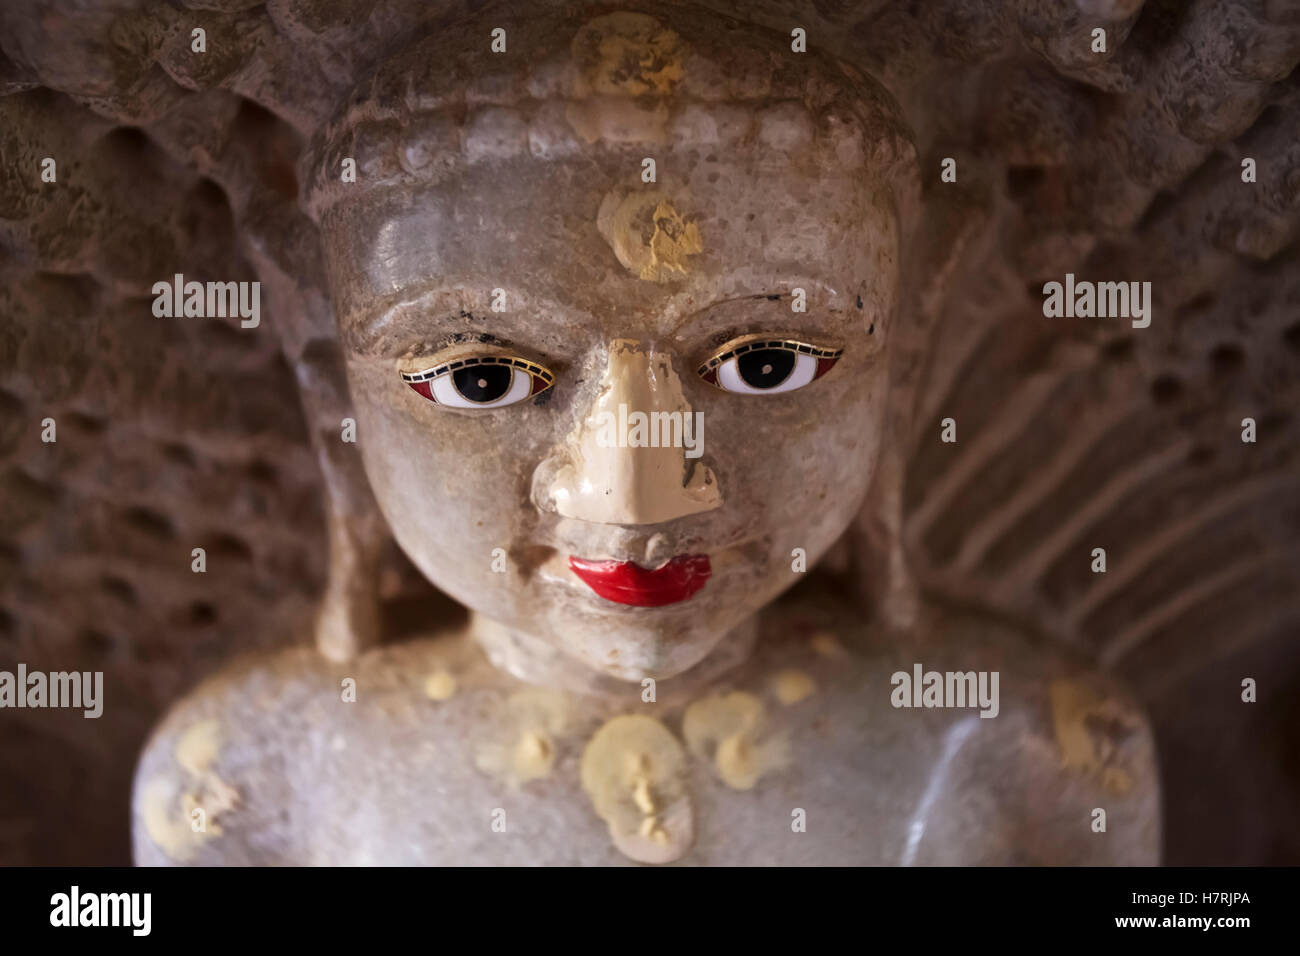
(669, 223)
(679, 432)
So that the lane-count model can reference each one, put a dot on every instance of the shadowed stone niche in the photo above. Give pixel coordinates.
(796, 431)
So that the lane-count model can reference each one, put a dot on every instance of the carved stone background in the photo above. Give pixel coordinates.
(1073, 434)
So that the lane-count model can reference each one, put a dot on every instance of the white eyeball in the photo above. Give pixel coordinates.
(766, 371)
(486, 382)
(768, 367)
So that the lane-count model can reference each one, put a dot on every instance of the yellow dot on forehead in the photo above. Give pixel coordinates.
(648, 235)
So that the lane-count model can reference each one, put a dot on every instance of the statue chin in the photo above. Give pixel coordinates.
(689, 660)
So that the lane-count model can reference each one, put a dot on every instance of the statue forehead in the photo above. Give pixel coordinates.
(637, 152)
(594, 245)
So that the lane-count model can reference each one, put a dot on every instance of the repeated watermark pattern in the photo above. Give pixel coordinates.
(70, 689)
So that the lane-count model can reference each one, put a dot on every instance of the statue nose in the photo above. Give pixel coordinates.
(636, 456)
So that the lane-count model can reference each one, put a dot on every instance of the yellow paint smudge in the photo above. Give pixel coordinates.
(440, 685)
(634, 771)
(791, 686)
(826, 645)
(521, 746)
(167, 824)
(168, 802)
(214, 797)
(729, 728)
(1116, 780)
(198, 746)
(649, 236)
(674, 239)
(641, 795)
(628, 54)
(1087, 727)
(534, 757)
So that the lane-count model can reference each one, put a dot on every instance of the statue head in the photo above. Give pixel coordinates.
(616, 301)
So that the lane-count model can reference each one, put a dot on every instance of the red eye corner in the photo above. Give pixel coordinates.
(824, 365)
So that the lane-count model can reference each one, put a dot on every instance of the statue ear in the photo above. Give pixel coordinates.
(284, 246)
(936, 237)
(348, 620)
(879, 558)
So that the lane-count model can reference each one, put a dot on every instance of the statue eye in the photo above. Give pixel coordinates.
(767, 366)
(489, 381)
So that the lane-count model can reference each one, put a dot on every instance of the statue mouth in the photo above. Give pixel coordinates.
(627, 583)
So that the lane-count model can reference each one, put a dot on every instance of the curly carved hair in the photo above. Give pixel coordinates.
(574, 80)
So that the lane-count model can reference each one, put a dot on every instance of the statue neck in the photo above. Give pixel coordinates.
(536, 662)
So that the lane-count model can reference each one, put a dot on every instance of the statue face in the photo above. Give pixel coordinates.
(618, 415)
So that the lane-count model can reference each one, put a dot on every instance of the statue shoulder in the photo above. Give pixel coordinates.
(1056, 761)
(1001, 746)
(279, 756)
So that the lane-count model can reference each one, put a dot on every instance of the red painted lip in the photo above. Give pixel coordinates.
(628, 583)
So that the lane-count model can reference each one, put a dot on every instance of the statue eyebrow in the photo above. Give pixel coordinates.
(408, 319)
(813, 287)
(431, 346)
(366, 334)
(433, 313)
(460, 338)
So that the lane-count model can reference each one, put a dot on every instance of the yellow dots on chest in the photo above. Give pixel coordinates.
(181, 810)
(534, 756)
(440, 685)
(730, 730)
(791, 686)
(826, 645)
(1090, 729)
(521, 745)
(198, 746)
(634, 772)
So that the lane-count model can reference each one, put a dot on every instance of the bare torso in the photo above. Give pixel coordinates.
(442, 759)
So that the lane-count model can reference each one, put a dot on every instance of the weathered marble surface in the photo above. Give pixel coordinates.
(1129, 162)
(397, 777)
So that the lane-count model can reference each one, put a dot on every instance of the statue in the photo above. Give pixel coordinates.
(630, 306)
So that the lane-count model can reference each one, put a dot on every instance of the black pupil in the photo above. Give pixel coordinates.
(482, 383)
(765, 368)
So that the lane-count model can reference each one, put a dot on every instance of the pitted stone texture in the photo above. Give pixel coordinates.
(172, 434)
